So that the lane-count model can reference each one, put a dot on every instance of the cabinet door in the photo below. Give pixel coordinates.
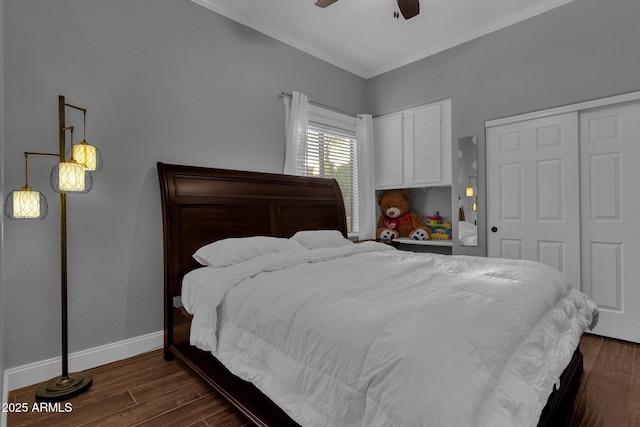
(389, 150)
(425, 146)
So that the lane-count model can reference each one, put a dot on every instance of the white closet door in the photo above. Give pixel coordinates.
(533, 192)
(610, 220)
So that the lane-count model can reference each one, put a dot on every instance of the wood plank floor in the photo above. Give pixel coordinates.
(609, 393)
(140, 391)
(147, 391)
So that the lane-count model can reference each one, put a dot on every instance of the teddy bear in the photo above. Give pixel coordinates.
(397, 218)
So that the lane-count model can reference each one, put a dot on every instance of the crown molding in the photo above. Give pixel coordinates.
(368, 73)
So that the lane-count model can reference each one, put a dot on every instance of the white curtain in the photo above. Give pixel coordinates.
(366, 178)
(296, 121)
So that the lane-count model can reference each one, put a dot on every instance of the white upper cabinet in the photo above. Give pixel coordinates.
(413, 147)
(389, 152)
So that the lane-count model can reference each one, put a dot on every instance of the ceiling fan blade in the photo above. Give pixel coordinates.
(325, 3)
(408, 8)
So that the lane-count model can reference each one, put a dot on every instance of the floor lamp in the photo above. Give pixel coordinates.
(72, 174)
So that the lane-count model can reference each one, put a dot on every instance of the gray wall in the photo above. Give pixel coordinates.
(167, 80)
(584, 50)
(2, 321)
(163, 80)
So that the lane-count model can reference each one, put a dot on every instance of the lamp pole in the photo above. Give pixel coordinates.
(66, 385)
(63, 244)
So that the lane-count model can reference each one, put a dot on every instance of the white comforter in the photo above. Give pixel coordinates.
(364, 335)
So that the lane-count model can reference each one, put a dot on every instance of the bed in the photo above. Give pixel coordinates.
(204, 205)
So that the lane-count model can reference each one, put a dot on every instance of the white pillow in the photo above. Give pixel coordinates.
(234, 250)
(313, 239)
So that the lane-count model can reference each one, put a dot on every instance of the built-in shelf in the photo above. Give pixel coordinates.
(409, 241)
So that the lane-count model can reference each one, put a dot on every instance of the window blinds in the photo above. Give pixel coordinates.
(332, 153)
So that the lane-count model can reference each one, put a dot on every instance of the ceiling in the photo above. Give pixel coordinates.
(363, 37)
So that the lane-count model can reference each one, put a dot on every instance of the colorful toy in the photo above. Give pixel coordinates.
(397, 218)
(440, 229)
(434, 219)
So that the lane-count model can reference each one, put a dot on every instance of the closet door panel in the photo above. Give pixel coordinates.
(550, 190)
(512, 249)
(552, 254)
(533, 192)
(610, 219)
(512, 192)
(604, 187)
(605, 269)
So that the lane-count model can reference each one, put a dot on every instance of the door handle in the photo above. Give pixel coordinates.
(494, 229)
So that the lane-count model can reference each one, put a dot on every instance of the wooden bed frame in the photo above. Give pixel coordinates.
(202, 205)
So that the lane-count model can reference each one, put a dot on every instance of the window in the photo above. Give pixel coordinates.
(332, 153)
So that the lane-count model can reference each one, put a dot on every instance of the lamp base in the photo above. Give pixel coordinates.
(63, 388)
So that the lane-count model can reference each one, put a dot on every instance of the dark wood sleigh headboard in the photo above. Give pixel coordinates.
(201, 205)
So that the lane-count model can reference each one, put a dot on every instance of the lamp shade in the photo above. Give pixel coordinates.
(469, 191)
(71, 177)
(88, 155)
(26, 204)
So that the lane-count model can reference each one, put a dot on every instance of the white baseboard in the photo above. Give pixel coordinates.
(44, 370)
(5, 396)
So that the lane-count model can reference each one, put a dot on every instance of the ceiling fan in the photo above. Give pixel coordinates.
(408, 8)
